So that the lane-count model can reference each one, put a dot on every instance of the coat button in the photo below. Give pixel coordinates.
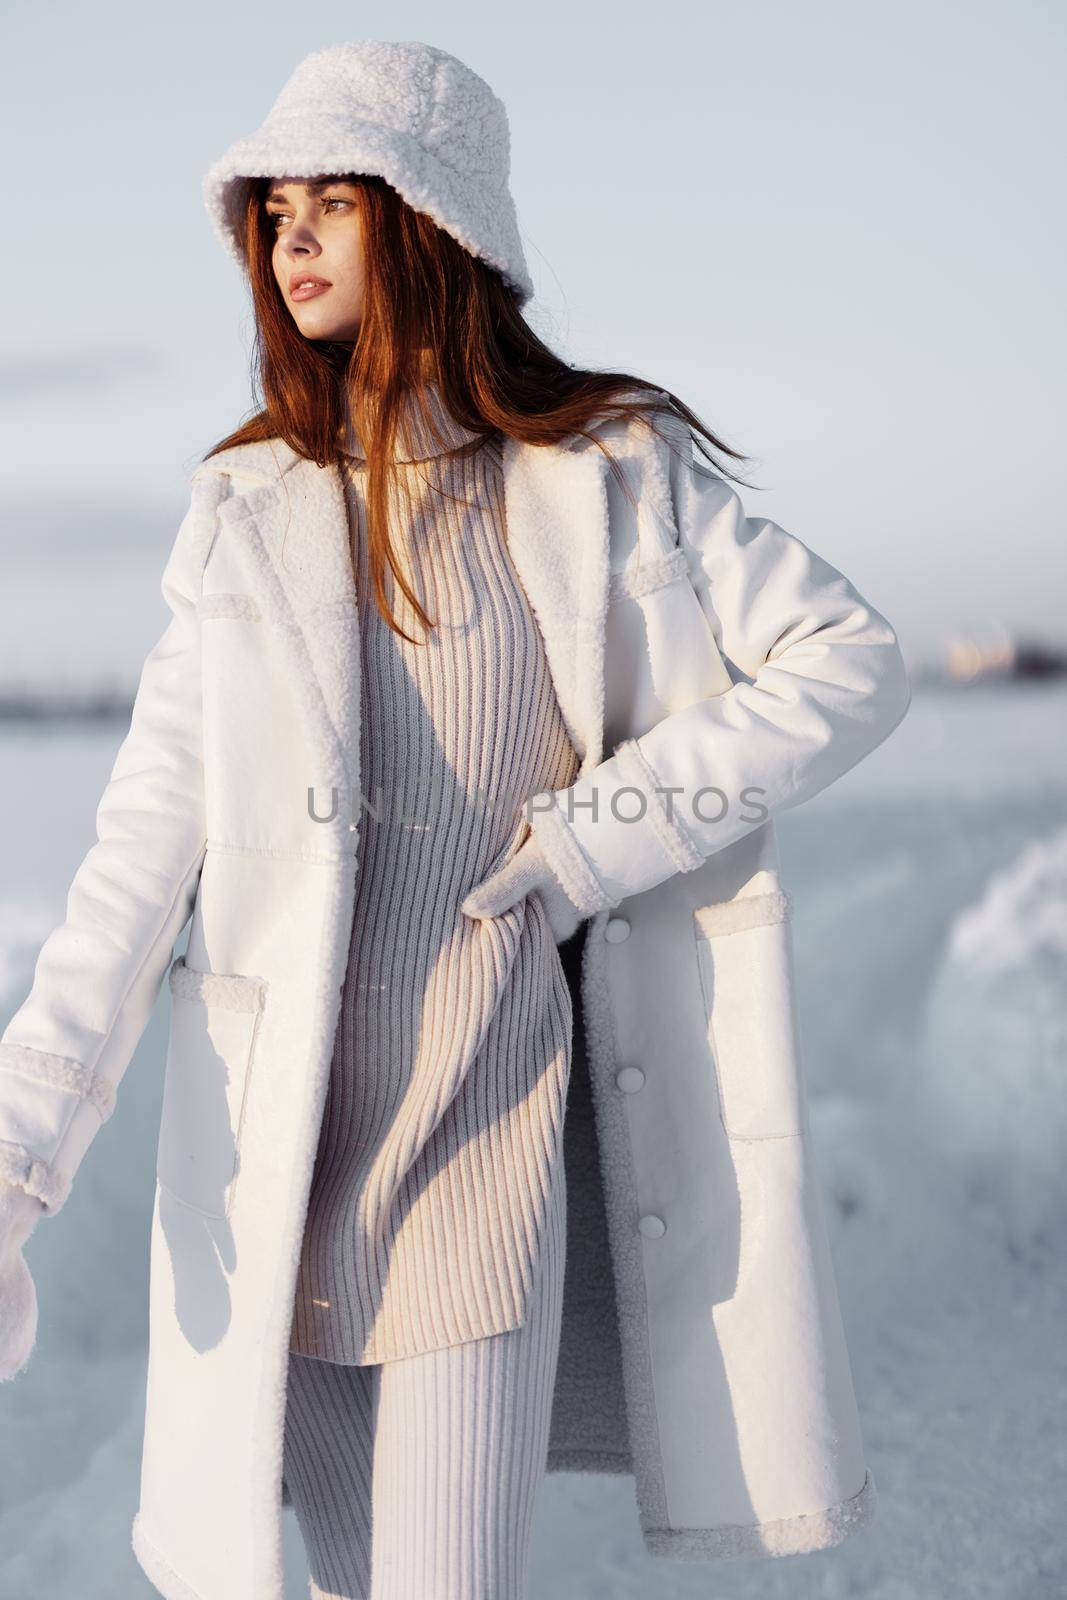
(630, 1079)
(616, 930)
(652, 1227)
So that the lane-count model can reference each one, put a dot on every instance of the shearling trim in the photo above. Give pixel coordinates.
(567, 859)
(789, 1536)
(549, 490)
(226, 991)
(27, 1171)
(240, 606)
(672, 436)
(317, 632)
(675, 840)
(746, 911)
(641, 580)
(157, 1569)
(59, 1072)
(260, 464)
(591, 635)
(619, 1184)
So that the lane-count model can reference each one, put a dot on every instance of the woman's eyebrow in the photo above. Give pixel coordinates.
(319, 183)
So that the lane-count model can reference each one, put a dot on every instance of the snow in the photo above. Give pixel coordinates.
(931, 924)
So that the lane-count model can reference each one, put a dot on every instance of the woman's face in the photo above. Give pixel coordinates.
(318, 237)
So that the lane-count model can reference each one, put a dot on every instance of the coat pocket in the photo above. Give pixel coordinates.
(214, 1024)
(745, 957)
(241, 606)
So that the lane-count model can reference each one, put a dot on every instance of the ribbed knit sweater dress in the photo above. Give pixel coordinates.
(440, 1150)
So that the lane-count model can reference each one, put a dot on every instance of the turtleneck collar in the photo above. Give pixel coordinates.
(415, 441)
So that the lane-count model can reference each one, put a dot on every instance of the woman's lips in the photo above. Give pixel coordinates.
(307, 291)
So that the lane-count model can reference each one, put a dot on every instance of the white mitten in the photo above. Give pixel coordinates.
(19, 1215)
(528, 869)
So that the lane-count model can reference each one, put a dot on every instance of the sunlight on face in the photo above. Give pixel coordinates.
(317, 232)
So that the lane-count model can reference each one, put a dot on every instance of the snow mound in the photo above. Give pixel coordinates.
(993, 1056)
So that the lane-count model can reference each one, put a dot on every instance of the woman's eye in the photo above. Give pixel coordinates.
(275, 217)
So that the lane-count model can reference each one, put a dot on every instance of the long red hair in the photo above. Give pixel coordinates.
(430, 306)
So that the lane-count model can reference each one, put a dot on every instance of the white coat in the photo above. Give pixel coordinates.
(726, 655)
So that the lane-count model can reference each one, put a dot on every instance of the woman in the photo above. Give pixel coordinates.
(414, 601)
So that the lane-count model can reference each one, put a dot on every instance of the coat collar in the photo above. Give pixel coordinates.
(291, 533)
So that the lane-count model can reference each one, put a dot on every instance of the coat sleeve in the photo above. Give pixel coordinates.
(818, 681)
(98, 974)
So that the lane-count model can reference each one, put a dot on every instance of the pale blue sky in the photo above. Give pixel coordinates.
(836, 230)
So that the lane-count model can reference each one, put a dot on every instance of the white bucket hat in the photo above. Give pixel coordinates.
(404, 111)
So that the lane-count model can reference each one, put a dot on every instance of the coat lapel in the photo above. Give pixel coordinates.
(291, 534)
(556, 508)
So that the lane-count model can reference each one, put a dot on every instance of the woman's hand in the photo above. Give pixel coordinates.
(19, 1215)
(528, 869)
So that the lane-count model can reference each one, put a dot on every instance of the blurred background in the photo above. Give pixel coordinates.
(836, 231)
